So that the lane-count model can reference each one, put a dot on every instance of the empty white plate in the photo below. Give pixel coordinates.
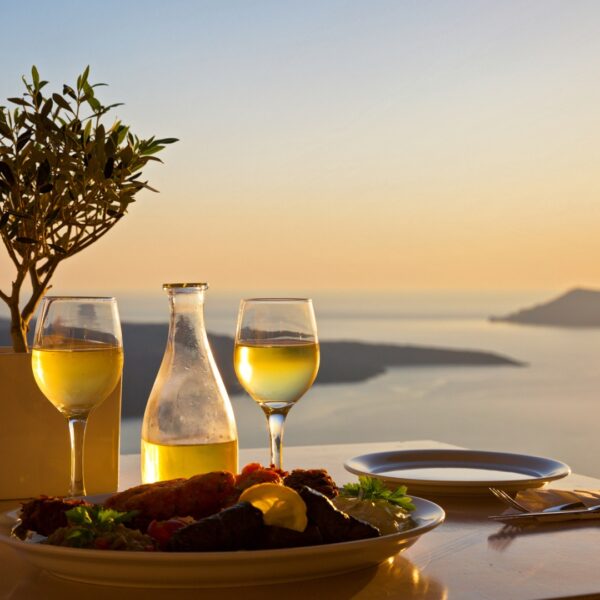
(457, 472)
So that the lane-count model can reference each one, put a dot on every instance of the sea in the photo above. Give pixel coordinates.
(550, 406)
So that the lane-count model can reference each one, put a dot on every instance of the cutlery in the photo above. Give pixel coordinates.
(593, 512)
(502, 495)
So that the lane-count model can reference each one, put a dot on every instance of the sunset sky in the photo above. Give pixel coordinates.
(339, 144)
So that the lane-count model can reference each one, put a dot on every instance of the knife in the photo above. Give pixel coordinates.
(593, 512)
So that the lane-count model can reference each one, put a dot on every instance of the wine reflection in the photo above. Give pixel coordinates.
(397, 577)
(403, 575)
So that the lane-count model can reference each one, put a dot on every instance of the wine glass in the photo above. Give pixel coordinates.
(276, 357)
(77, 359)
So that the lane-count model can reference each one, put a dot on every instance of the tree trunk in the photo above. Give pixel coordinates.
(18, 331)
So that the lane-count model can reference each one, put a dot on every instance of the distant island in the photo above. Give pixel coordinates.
(578, 307)
(341, 361)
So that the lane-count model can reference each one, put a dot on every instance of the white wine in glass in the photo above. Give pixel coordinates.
(276, 357)
(77, 360)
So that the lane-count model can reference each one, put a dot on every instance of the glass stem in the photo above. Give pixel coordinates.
(77, 432)
(276, 420)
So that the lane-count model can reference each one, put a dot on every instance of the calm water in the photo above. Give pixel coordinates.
(550, 407)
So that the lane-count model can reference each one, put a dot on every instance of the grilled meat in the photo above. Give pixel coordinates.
(45, 514)
(316, 479)
(235, 528)
(334, 525)
(280, 537)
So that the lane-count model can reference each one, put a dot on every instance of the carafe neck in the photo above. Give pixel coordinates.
(187, 332)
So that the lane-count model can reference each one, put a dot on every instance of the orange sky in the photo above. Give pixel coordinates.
(450, 146)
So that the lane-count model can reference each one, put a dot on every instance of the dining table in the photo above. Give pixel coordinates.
(467, 557)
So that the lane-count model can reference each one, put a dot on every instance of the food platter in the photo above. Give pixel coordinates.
(219, 569)
(458, 472)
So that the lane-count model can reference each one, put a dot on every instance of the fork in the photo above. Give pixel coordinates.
(506, 498)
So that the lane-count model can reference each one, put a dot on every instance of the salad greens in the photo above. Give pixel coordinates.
(88, 522)
(369, 488)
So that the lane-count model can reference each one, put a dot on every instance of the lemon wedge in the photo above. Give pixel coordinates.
(281, 506)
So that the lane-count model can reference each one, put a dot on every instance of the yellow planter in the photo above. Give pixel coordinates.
(34, 437)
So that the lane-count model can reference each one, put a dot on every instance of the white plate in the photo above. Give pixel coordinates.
(219, 569)
(458, 472)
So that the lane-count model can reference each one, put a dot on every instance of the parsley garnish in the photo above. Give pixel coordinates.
(88, 522)
(97, 516)
(369, 488)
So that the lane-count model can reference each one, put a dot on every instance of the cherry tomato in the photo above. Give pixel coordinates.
(162, 531)
(101, 544)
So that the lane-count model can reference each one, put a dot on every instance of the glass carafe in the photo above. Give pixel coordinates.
(189, 427)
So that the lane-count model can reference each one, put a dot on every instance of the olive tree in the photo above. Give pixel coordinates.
(66, 179)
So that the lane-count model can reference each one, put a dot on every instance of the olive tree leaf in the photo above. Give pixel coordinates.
(47, 107)
(43, 173)
(60, 101)
(19, 101)
(25, 240)
(23, 139)
(35, 76)
(109, 167)
(7, 173)
(82, 79)
(5, 129)
(69, 91)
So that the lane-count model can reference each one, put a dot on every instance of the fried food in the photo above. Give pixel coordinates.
(197, 497)
(316, 479)
(45, 514)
